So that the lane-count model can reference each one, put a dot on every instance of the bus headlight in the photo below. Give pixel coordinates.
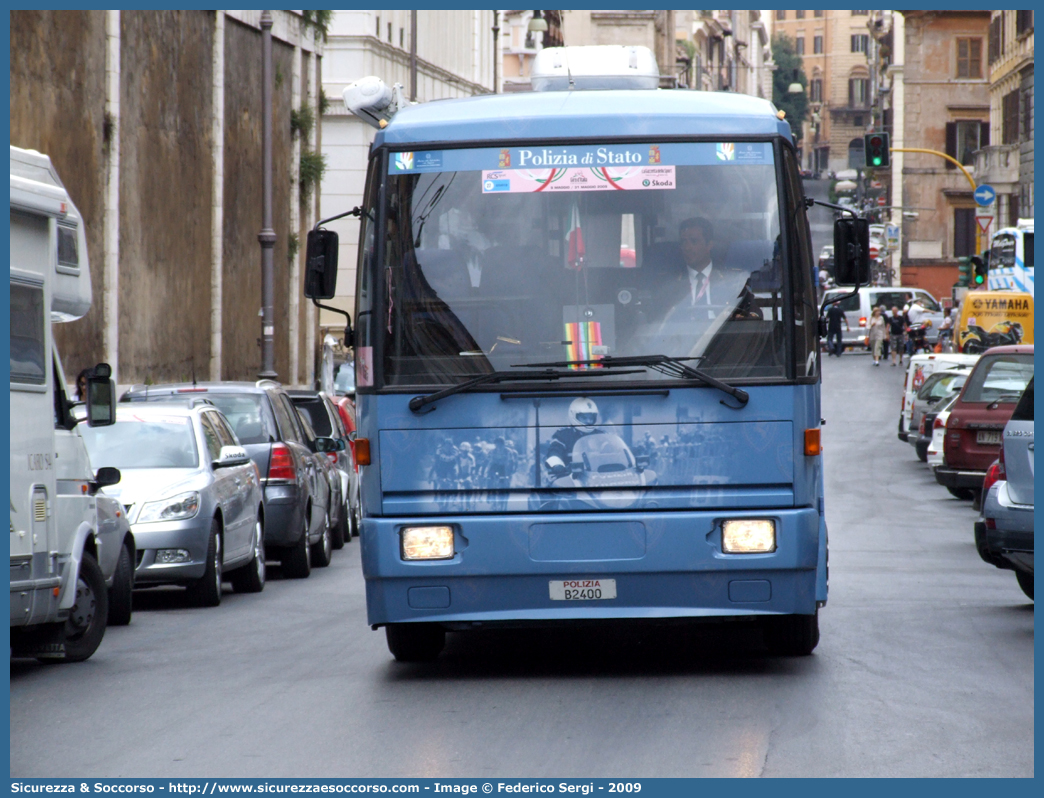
(748, 536)
(427, 542)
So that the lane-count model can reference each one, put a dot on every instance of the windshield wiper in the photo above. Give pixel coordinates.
(671, 366)
(417, 402)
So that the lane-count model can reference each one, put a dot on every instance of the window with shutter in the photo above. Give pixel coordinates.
(963, 232)
(969, 58)
(1023, 22)
(951, 143)
(994, 43)
(1010, 117)
(799, 45)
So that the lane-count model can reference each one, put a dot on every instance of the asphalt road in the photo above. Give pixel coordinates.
(925, 666)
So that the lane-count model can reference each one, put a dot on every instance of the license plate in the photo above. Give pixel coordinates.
(988, 437)
(582, 589)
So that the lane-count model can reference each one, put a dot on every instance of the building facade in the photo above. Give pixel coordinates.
(839, 55)
(1006, 162)
(454, 57)
(945, 106)
(153, 119)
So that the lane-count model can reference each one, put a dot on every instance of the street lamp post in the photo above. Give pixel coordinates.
(267, 236)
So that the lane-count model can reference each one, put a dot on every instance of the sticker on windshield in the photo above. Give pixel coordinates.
(598, 178)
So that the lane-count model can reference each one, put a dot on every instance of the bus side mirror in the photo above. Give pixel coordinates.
(852, 251)
(321, 264)
(101, 396)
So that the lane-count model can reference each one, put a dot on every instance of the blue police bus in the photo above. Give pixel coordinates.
(587, 365)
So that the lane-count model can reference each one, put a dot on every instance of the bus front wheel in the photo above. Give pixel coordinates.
(415, 642)
(792, 635)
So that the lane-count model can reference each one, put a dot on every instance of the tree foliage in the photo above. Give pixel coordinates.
(788, 63)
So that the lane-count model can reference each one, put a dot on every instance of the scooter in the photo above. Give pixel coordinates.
(917, 335)
(978, 340)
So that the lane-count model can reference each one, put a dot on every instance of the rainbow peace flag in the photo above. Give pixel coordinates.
(582, 337)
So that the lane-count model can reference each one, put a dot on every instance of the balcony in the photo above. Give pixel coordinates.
(997, 165)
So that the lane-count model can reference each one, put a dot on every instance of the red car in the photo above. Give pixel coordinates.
(976, 424)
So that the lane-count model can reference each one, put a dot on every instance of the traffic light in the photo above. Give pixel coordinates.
(964, 272)
(979, 270)
(875, 147)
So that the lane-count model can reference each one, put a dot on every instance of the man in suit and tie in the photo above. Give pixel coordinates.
(699, 287)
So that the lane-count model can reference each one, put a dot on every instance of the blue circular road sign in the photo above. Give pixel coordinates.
(985, 195)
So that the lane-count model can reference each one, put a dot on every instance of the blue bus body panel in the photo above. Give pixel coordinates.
(665, 564)
(656, 529)
(583, 114)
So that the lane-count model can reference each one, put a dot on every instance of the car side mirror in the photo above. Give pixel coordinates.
(231, 456)
(321, 264)
(101, 396)
(107, 475)
(852, 251)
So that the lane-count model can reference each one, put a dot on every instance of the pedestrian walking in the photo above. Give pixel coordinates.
(896, 330)
(834, 316)
(877, 331)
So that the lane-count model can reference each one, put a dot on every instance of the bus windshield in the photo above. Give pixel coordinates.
(503, 257)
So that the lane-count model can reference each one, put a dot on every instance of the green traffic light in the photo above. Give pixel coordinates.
(877, 160)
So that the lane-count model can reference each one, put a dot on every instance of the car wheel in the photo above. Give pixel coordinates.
(792, 635)
(297, 562)
(120, 594)
(964, 494)
(206, 591)
(85, 626)
(922, 451)
(353, 521)
(415, 642)
(251, 577)
(322, 549)
(340, 533)
(1025, 582)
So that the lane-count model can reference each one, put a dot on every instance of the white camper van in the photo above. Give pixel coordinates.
(62, 555)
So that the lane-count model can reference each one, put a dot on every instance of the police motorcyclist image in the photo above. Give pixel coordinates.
(583, 415)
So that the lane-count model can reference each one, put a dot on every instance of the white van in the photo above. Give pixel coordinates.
(858, 308)
(921, 366)
(59, 601)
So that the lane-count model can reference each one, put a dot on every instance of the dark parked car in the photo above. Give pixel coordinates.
(326, 420)
(1004, 532)
(974, 430)
(297, 497)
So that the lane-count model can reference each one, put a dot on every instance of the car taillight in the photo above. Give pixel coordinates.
(922, 429)
(994, 473)
(938, 424)
(281, 466)
(862, 321)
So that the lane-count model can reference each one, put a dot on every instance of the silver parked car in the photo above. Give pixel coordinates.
(191, 493)
(1004, 533)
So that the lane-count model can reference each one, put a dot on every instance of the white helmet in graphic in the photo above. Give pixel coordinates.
(583, 413)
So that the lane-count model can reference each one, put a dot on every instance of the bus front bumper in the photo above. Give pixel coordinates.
(660, 565)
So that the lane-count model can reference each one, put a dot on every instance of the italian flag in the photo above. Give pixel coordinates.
(575, 240)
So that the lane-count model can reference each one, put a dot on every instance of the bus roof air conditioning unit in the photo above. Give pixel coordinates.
(370, 99)
(595, 67)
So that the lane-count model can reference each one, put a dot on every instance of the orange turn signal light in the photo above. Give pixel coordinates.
(812, 444)
(362, 451)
